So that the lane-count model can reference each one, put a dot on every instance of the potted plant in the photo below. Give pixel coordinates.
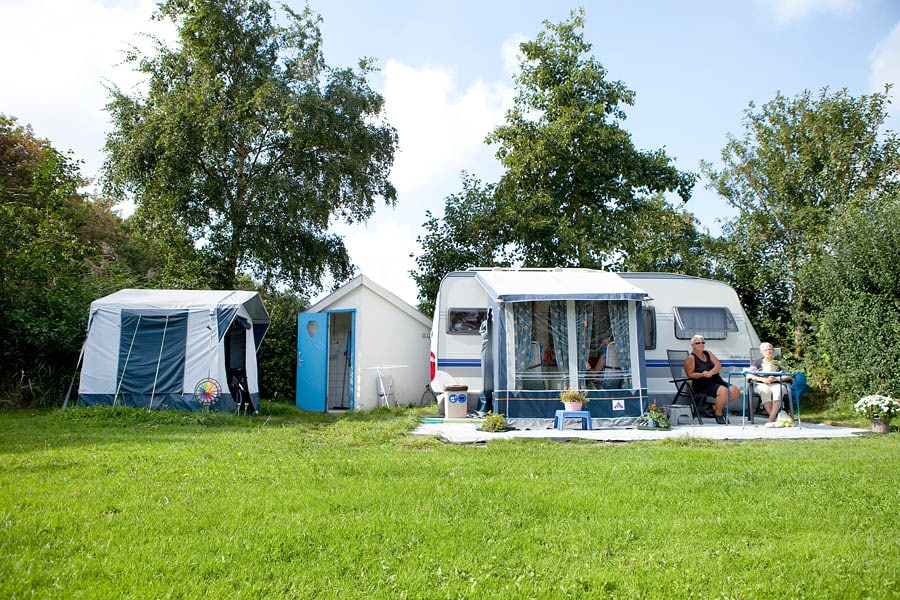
(880, 410)
(573, 399)
(654, 418)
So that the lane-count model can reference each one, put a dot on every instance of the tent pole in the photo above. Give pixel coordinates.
(162, 344)
(75, 374)
(127, 356)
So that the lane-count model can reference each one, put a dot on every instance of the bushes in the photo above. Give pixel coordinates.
(855, 290)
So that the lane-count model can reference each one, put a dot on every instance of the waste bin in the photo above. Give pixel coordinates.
(456, 399)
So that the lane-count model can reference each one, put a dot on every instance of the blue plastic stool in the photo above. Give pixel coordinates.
(562, 415)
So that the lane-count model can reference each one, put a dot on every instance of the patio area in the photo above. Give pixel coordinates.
(467, 431)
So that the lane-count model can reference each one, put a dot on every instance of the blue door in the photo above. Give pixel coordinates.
(312, 361)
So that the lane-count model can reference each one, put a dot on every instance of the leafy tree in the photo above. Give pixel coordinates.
(666, 238)
(575, 191)
(465, 237)
(573, 175)
(854, 289)
(54, 248)
(249, 142)
(278, 353)
(800, 162)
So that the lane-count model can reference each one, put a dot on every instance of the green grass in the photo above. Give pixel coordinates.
(113, 503)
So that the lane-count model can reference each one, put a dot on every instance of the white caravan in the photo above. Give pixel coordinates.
(678, 307)
(681, 306)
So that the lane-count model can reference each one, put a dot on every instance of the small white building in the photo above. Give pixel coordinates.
(355, 340)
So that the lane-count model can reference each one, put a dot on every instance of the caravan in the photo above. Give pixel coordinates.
(517, 337)
(681, 306)
(672, 308)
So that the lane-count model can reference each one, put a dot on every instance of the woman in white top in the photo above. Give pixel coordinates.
(770, 388)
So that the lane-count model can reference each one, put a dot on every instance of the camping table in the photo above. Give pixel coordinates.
(744, 394)
(748, 391)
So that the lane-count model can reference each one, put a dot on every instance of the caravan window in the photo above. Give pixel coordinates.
(712, 322)
(649, 315)
(465, 321)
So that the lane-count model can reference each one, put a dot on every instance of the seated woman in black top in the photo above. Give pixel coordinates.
(702, 368)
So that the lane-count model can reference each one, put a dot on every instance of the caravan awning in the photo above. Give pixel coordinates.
(524, 285)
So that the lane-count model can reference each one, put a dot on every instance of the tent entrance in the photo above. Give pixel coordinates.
(235, 344)
(340, 360)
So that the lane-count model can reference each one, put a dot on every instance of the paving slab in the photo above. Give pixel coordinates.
(468, 432)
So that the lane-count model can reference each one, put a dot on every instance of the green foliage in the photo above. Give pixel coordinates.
(249, 144)
(494, 422)
(573, 396)
(665, 238)
(572, 173)
(277, 355)
(575, 191)
(147, 507)
(855, 290)
(56, 248)
(465, 237)
(800, 162)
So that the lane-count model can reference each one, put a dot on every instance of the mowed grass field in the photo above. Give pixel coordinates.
(115, 503)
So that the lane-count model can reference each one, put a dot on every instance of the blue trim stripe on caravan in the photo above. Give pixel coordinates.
(458, 362)
(733, 363)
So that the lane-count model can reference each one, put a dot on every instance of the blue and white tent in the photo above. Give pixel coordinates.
(546, 328)
(173, 349)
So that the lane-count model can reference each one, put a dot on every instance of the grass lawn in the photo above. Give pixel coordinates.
(114, 503)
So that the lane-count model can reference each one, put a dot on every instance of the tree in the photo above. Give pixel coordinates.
(666, 238)
(800, 162)
(573, 176)
(575, 191)
(464, 238)
(248, 141)
(55, 246)
(854, 288)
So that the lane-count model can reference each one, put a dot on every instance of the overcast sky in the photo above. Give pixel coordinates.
(446, 74)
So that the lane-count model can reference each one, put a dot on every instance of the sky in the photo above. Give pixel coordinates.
(446, 72)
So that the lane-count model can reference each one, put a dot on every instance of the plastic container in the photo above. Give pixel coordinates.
(456, 400)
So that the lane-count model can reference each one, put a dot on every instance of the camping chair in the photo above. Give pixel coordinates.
(787, 392)
(683, 385)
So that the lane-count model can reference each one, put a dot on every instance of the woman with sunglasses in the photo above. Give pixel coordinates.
(702, 368)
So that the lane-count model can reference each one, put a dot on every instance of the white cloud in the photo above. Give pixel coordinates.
(440, 127)
(58, 55)
(885, 67)
(511, 53)
(382, 253)
(795, 10)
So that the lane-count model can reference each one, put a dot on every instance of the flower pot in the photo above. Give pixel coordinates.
(573, 405)
(881, 426)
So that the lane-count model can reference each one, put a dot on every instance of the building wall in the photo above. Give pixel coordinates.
(385, 334)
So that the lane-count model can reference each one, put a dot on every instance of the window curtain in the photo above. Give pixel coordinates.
(559, 334)
(584, 323)
(522, 318)
(618, 320)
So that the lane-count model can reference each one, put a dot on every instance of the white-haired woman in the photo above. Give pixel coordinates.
(771, 387)
(702, 368)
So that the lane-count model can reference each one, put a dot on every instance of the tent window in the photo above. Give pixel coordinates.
(550, 335)
(712, 322)
(465, 321)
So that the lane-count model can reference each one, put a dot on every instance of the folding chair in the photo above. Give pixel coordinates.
(787, 393)
(683, 384)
